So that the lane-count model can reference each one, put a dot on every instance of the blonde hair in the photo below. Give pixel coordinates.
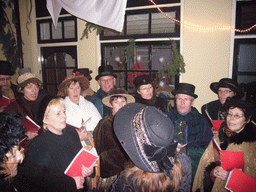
(51, 104)
(154, 182)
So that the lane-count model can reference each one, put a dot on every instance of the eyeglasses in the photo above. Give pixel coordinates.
(5, 79)
(106, 80)
(225, 91)
(236, 116)
(185, 100)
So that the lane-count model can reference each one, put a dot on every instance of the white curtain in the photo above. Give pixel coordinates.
(106, 13)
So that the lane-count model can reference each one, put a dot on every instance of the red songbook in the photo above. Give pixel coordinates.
(83, 157)
(4, 101)
(239, 181)
(231, 160)
(30, 125)
(216, 124)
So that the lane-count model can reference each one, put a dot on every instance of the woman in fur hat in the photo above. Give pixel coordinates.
(112, 156)
(147, 136)
(145, 93)
(238, 133)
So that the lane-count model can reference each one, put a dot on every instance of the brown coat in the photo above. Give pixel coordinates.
(249, 149)
(112, 155)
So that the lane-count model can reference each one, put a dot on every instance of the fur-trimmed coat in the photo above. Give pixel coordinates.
(245, 142)
(112, 155)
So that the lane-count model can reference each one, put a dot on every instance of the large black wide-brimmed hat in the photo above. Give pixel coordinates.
(105, 70)
(185, 88)
(227, 83)
(147, 136)
(6, 68)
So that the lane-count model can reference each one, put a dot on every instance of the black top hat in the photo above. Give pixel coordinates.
(105, 70)
(6, 68)
(185, 88)
(142, 80)
(83, 71)
(147, 136)
(227, 83)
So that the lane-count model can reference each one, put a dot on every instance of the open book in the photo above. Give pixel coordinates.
(239, 181)
(216, 124)
(83, 157)
(4, 101)
(30, 125)
(216, 151)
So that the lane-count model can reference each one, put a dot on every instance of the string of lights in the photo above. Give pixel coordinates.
(201, 27)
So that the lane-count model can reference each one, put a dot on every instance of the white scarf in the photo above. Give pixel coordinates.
(77, 114)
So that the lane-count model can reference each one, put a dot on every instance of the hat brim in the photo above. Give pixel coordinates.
(81, 79)
(216, 85)
(31, 80)
(175, 92)
(106, 74)
(130, 99)
(123, 127)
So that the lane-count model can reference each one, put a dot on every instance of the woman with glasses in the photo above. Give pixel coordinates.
(145, 94)
(238, 133)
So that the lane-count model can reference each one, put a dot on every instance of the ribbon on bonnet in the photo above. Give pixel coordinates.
(159, 159)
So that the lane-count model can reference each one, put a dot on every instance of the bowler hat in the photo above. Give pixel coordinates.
(247, 106)
(147, 136)
(6, 68)
(83, 71)
(185, 88)
(227, 83)
(142, 80)
(117, 92)
(105, 70)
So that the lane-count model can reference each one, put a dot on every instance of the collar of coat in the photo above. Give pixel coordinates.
(248, 134)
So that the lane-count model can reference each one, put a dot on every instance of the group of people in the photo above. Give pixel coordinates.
(141, 146)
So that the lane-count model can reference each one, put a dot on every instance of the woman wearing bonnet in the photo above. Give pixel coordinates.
(147, 136)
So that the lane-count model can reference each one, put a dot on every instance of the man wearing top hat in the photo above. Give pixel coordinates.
(192, 129)
(225, 88)
(106, 79)
(7, 88)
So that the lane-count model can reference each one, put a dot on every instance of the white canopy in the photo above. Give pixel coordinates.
(106, 13)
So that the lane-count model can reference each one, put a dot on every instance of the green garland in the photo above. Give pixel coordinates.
(89, 27)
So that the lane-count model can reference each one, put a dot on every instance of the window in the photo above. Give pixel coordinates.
(66, 30)
(152, 51)
(244, 62)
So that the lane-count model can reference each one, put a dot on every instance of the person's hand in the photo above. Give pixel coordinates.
(87, 171)
(179, 146)
(2, 108)
(83, 134)
(79, 182)
(220, 173)
(31, 135)
(214, 131)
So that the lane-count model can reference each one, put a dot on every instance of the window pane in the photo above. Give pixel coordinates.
(115, 56)
(247, 58)
(161, 55)
(60, 75)
(245, 79)
(70, 62)
(137, 24)
(109, 32)
(57, 33)
(161, 24)
(69, 29)
(50, 75)
(142, 59)
(45, 31)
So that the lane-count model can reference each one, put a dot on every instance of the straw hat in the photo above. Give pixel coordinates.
(26, 77)
(117, 92)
